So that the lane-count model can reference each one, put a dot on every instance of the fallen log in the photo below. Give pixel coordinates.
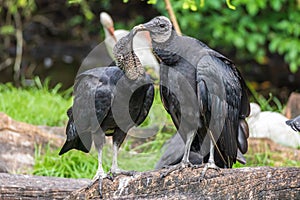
(18, 140)
(37, 187)
(240, 183)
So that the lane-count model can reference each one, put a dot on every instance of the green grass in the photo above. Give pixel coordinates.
(74, 164)
(271, 103)
(37, 104)
(266, 159)
(77, 164)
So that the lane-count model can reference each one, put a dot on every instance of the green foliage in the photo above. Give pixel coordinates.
(37, 104)
(26, 6)
(151, 1)
(230, 5)
(7, 30)
(85, 8)
(254, 28)
(271, 104)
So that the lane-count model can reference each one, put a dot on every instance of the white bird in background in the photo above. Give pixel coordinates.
(271, 125)
(141, 42)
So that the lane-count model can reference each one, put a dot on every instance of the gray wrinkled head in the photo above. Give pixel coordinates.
(160, 29)
(126, 59)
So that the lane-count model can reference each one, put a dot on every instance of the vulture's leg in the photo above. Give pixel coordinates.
(211, 161)
(187, 149)
(118, 138)
(185, 160)
(100, 171)
(99, 140)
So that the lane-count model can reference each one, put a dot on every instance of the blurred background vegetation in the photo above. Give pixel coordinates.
(42, 40)
(261, 37)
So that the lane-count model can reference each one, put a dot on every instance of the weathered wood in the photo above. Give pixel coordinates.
(18, 140)
(37, 187)
(241, 183)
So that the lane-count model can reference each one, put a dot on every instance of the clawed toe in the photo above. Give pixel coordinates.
(116, 172)
(98, 177)
(209, 165)
(197, 166)
(180, 166)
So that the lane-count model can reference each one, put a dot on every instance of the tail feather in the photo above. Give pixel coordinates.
(243, 134)
(82, 142)
(240, 157)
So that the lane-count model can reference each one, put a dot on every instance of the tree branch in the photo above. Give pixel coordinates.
(19, 48)
(173, 17)
(6, 63)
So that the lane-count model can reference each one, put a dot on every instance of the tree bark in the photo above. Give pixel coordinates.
(19, 49)
(240, 183)
(173, 17)
(37, 187)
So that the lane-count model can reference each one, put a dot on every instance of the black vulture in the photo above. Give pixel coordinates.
(141, 45)
(108, 101)
(204, 93)
(294, 123)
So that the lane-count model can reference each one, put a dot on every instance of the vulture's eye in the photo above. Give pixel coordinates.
(162, 25)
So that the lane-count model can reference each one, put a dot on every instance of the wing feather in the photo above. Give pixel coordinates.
(223, 91)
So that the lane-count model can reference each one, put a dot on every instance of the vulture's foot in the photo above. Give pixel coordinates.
(117, 171)
(100, 175)
(180, 166)
(209, 165)
(197, 166)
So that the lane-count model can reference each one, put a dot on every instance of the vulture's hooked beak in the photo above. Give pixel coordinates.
(146, 26)
(140, 27)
